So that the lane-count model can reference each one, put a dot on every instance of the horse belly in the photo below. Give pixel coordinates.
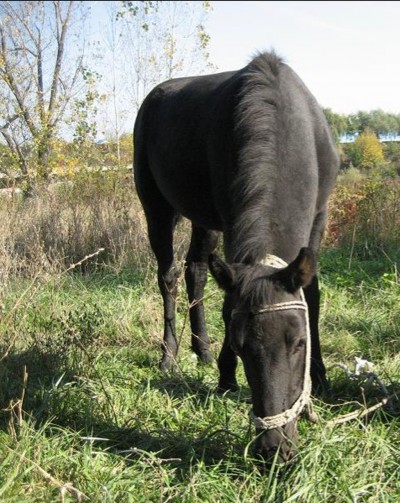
(187, 189)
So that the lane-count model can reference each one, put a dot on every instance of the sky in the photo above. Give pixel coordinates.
(346, 52)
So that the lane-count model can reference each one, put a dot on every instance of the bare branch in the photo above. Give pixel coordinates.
(67, 93)
(12, 85)
(10, 121)
(358, 414)
(60, 50)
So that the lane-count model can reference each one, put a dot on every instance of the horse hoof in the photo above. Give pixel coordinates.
(224, 387)
(206, 357)
(167, 364)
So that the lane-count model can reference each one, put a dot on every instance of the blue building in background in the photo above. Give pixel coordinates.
(347, 138)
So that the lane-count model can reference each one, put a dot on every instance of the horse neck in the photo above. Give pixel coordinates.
(251, 235)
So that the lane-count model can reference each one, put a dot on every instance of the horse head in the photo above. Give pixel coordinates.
(269, 330)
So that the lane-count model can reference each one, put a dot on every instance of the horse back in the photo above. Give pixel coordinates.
(248, 152)
(171, 144)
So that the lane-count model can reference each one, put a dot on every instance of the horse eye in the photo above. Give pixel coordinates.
(300, 343)
(295, 343)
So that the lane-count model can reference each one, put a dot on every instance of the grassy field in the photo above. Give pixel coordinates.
(86, 414)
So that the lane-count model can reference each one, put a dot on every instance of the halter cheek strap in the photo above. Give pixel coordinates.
(279, 420)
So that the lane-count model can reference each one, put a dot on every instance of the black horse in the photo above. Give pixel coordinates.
(247, 153)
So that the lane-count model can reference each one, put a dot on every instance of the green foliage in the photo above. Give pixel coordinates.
(114, 154)
(392, 154)
(378, 121)
(8, 161)
(337, 122)
(133, 8)
(85, 111)
(351, 177)
(366, 152)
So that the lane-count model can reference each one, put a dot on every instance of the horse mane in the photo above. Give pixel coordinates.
(254, 286)
(257, 125)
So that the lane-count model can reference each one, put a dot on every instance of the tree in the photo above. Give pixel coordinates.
(40, 77)
(378, 121)
(366, 151)
(338, 124)
(113, 96)
(153, 41)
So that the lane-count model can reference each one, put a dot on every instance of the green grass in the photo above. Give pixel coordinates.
(82, 398)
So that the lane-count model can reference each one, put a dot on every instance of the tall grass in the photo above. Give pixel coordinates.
(85, 412)
(64, 223)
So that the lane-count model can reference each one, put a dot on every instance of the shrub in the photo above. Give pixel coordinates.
(365, 217)
(366, 152)
(351, 177)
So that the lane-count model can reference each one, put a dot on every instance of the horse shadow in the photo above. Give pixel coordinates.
(364, 394)
(179, 449)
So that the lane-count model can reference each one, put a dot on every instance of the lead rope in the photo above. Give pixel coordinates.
(304, 400)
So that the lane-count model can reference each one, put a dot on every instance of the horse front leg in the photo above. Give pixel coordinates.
(318, 371)
(203, 242)
(196, 278)
(227, 359)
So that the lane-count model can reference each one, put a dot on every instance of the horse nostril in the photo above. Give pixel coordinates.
(274, 455)
(290, 455)
(276, 447)
(284, 454)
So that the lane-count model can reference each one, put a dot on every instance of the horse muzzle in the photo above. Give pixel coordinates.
(276, 446)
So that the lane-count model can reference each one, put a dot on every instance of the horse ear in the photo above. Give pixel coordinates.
(222, 272)
(298, 273)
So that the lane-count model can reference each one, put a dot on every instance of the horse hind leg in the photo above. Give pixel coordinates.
(203, 242)
(161, 231)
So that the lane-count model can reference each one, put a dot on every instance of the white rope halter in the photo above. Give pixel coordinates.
(279, 420)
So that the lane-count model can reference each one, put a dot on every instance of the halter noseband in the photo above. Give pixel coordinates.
(279, 420)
